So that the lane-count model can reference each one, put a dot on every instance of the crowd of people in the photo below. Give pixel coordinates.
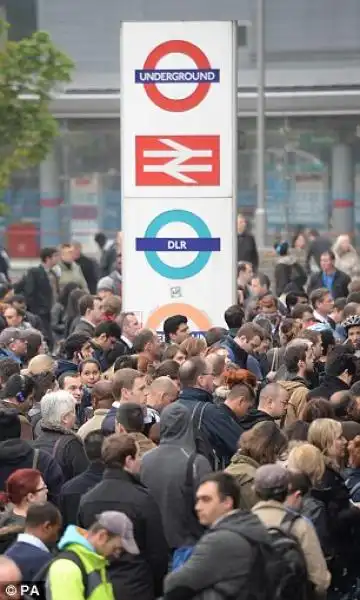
(221, 466)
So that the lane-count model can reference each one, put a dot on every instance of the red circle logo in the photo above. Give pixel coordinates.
(201, 61)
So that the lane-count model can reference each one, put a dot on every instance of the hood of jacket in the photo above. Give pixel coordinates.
(240, 522)
(241, 459)
(75, 536)
(175, 427)
(14, 452)
(293, 384)
(252, 417)
(64, 366)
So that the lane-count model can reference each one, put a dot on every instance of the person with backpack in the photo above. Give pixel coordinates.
(57, 436)
(172, 473)
(79, 571)
(224, 562)
(217, 432)
(278, 509)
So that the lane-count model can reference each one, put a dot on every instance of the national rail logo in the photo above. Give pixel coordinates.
(203, 76)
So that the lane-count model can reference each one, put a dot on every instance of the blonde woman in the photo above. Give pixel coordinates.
(347, 259)
(308, 460)
(343, 518)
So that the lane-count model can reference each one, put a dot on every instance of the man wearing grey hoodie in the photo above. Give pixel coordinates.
(172, 473)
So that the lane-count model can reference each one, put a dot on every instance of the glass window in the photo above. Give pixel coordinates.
(22, 18)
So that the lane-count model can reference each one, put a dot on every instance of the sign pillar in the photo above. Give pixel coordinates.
(179, 148)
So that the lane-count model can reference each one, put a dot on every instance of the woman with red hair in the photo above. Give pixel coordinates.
(22, 488)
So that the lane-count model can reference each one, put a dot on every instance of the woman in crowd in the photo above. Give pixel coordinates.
(23, 488)
(343, 519)
(263, 444)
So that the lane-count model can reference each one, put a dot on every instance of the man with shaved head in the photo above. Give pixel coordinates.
(273, 401)
(102, 399)
(162, 392)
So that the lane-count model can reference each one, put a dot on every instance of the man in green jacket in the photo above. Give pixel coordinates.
(108, 536)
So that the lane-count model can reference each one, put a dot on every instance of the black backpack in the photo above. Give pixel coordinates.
(203, 444)
(287, 570)
(283, 565)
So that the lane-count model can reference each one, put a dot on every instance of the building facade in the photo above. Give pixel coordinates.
(312, 108)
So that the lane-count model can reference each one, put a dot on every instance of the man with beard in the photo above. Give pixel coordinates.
(299, 361)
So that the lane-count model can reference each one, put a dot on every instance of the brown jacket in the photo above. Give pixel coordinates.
(243, 468)
(26, 427)
(298, 397)
(144, 443)
(271, 513)
(94, 423)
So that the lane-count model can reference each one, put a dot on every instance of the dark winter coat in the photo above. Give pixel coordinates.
(288, 270)
(132, 576)
(65, 446)
(221, 565)
(220, 429)
(73, 490)
(19, 454)
(165, 471)
(328, 386)
(252, 417)
(343, 522)
(340, 284)
(90, 271)
(247, 250)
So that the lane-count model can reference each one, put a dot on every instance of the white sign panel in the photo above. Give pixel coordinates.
(178, 132)
(179, 260)
(177, 118)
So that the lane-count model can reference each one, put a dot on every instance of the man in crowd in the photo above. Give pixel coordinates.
(120, 489)
(335, 281)
(176, 329)
(90, 314)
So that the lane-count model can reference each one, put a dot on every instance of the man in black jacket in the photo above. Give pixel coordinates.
(74, 489)
(38, 290)
(337, 282)
(218, 428)
(246, 245)
(132, 576)
(223, 564)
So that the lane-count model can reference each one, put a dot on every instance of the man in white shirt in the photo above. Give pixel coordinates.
(31, 551)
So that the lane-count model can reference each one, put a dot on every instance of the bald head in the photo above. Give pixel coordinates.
(163, 391)
(273, 400)
(41, 363)
(9, 574)
(102, 394)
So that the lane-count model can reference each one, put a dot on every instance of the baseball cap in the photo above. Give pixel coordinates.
(271, 478)
(11, 334)
(119, 524)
